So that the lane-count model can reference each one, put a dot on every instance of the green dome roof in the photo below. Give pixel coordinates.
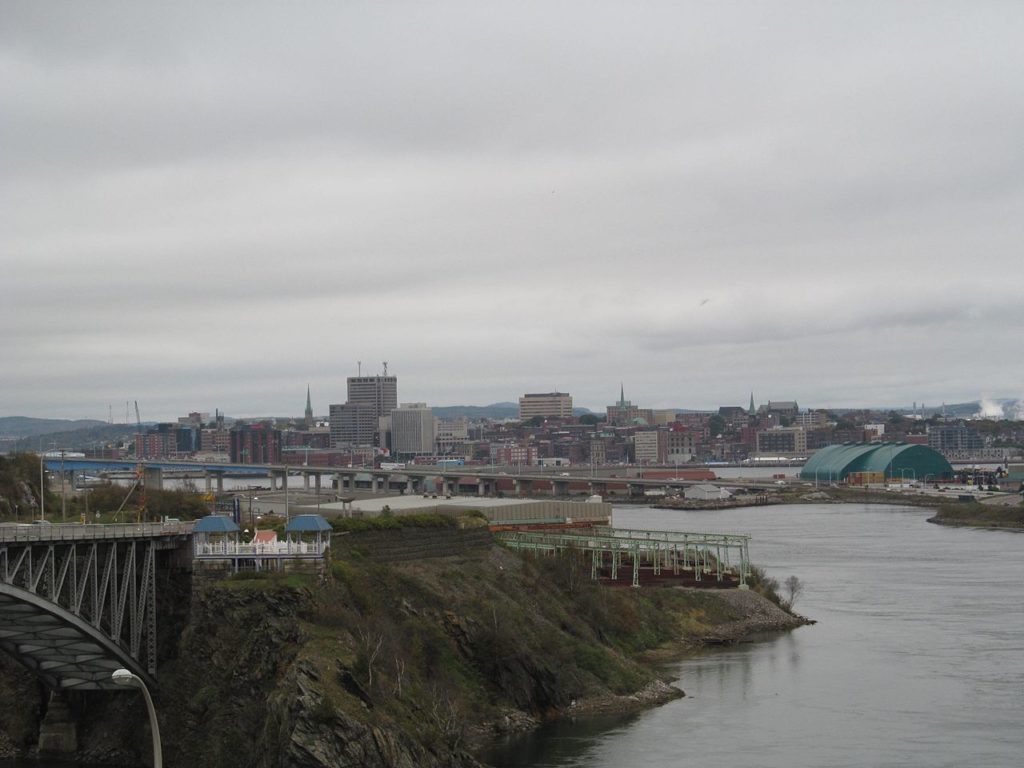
(834, 463)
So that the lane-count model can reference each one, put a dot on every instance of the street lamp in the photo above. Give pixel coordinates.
(126, 678)
(63, 490)
(42, 486)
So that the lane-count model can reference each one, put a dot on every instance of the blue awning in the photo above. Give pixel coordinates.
(216, 524)
(307, 524)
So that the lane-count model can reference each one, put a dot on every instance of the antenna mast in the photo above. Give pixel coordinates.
(385, 367)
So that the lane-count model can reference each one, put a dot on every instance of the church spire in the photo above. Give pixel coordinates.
(622, 395)
(309, 409)
(751, 412)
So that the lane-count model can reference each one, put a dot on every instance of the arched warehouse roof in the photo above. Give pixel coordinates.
(899, 460)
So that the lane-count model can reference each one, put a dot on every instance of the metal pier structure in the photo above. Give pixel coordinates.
(675, 557)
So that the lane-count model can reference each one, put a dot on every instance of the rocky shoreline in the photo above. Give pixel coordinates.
(756, 616)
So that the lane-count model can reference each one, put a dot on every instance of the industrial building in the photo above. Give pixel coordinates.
(902, 461)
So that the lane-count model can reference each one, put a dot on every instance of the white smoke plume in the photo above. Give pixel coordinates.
(990, 409)
(1008, 409)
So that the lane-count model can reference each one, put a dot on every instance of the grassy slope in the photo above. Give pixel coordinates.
(980, 515)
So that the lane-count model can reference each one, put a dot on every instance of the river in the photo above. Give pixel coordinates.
(917, 658)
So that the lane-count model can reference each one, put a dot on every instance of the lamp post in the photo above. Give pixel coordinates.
(126, 678)
(42, 486)
(63, 490)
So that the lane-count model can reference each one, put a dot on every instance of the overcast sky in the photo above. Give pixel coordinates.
(211, 205)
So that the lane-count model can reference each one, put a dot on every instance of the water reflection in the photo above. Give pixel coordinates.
(567, 742)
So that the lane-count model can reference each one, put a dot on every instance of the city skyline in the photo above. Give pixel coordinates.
(205, 206)
(991, 408)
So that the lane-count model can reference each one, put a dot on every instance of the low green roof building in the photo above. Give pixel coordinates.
(902, 461)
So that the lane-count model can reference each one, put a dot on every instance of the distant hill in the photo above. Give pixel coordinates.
(25, 426)
(494, 411)
(22, 434)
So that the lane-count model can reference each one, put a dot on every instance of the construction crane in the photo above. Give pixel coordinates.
(140, 470)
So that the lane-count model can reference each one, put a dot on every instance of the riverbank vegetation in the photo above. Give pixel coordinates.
(979, 515)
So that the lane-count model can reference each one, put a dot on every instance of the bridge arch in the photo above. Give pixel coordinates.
(64, 650)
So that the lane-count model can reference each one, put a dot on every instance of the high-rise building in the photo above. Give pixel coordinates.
(412, 429)
(379, 391)
(357, 421)
(353, 424)
(546, 405)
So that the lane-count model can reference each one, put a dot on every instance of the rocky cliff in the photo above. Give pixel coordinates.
(385, 664)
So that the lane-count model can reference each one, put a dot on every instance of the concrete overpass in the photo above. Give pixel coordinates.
(410, 479)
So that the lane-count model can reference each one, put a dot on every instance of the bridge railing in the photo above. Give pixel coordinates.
(37, 532)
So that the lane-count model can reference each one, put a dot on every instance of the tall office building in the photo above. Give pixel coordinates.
(548, 404)
(357, 421)
(379, 391)
(353, 424)
(412, 429)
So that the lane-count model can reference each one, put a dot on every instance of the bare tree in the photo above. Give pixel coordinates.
(371, 644)
(399, 674)
(445, 716)
(794, 588)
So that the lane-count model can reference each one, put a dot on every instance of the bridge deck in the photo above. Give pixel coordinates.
(39, 533)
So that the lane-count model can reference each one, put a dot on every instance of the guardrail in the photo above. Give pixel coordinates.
(46, 532)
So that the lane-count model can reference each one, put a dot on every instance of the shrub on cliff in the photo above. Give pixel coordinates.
(764, 585)
(392, 522)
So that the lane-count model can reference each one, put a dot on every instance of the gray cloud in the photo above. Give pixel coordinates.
(210, 206)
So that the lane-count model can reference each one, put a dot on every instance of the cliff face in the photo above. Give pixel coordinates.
(412, 661)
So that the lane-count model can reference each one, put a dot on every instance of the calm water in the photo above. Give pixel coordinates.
(917, 659)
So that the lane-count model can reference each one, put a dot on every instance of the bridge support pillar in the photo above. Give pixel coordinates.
(208, 481)
(316, 483)
(220, 483)
(153, 477)
(305, 480)
(409, 486)
(58, 733)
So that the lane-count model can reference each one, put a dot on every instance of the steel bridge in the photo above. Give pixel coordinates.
(79, 601)
(700, 559)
